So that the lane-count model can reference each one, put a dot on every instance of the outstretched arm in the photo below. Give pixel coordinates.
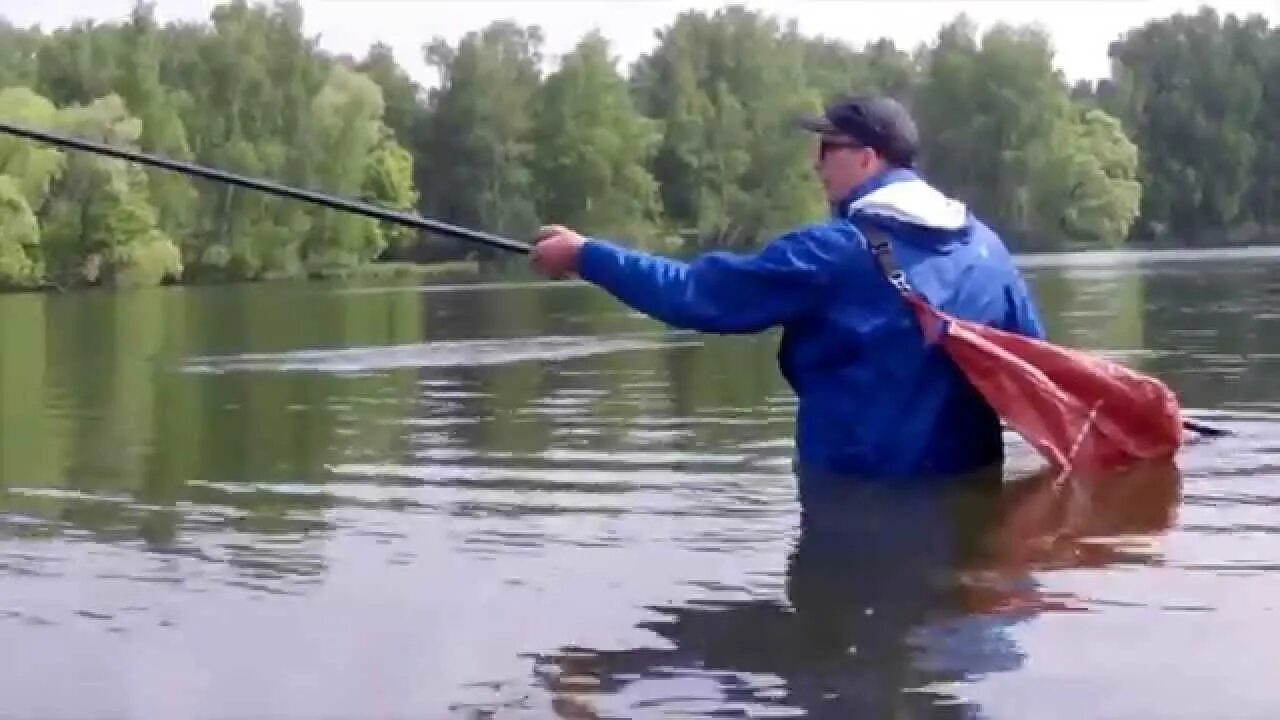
(719, 291)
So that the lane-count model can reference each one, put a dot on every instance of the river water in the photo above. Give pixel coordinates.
(524, 501)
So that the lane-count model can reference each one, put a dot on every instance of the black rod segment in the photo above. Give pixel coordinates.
(330, 201)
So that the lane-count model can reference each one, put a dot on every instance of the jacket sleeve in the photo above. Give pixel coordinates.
(719, 291)
(1023, 316)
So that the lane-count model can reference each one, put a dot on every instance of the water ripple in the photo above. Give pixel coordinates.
(458, 353)
(579, 523)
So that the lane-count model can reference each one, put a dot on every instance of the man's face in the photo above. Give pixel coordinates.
(842, 165)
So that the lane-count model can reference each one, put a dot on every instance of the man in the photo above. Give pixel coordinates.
(875, 399)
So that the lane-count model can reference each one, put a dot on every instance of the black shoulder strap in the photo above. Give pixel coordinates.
(881, 249)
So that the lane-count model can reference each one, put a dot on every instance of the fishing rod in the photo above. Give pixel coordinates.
(1205, 430)
(330, 201)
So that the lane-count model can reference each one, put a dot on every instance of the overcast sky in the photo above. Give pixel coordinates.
(1081, 29)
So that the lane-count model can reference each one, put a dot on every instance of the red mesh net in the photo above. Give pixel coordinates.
(1082, 412)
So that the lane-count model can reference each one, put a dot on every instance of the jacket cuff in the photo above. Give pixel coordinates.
(598, 261)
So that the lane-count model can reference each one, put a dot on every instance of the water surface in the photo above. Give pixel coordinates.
(525, 501)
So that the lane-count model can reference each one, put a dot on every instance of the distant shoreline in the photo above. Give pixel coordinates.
(426, 271)
(371, 271)
(1108, 257)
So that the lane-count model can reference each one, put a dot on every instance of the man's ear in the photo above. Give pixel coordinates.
(871, 160)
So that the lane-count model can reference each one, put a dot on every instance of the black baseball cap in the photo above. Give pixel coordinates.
(878, 122)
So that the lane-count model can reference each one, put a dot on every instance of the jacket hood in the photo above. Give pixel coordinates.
(910, 208)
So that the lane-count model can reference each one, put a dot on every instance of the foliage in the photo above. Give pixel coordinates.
(987, 108)
(693, 144)
(727, 87)
(1084, 188)
(477, 167)
(589, 138)
(1190, 91)
(19, 263)
(31, 167)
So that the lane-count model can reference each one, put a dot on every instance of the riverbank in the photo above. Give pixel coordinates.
(398, 270)
(370, 272)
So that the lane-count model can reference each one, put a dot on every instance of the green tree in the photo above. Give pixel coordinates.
(158, 108)
(696, 141)
(19, 53)
(727, 87)
(895, 71)
(78, 64)
(347, 124)
(33, 168)
(26, 173)
(984, 109)
(1191, 104)
(404, 100)
(834, 68)
(1084, 186)
(407, 115)
(477, 141)
(1263, 196)
(591, 148)
(100, 227)
(247, 94)
(20, 265)
(388, 181)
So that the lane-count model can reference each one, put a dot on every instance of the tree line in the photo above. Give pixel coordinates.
(691, 147)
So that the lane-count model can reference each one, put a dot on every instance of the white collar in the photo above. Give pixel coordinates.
(914, 202)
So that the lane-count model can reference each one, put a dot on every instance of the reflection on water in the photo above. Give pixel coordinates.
(462, 353)
(890, 593)
(303, 501)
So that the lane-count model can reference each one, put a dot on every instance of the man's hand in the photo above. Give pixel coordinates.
(555, 251)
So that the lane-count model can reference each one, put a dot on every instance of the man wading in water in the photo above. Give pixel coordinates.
(875, 400)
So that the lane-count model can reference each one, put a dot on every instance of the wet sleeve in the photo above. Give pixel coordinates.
(718, 292)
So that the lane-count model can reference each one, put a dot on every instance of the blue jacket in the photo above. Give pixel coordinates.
(874, 398)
